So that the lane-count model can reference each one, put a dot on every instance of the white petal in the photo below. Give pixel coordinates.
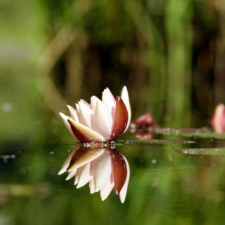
(111, 95)
(78, 111)
(73, 113)
(102, 120)
(123, 191)
(71, 174)
(87, 104)
(102, 170)
(92, 186)
(84, 175)
(94, 99)
(106, 189)
(85, 134)
(77, 177)
(125, 97)
(85, 115)
(109, 101)
(66, 163)
(65, 120)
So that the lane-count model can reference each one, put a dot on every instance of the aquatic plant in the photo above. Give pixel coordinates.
(99, 121)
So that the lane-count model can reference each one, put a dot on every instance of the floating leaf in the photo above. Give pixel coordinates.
(203, 151)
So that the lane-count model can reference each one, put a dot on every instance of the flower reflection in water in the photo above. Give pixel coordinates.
(143, 135)
(103, 168)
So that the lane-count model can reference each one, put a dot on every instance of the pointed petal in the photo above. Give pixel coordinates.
(83, 156)
(102, 169)
(102, 120)
(67, 162)
(119, 170)
(123, 191)
(92, 186)
(77, 177)
(94, 99)
(84, 102)
(65, 120)
(106, 189)
(78, 111)
(73, 113)
(85, 115)
(111, 95)
(83, 105)
(71, 174)
(83, 133)
(125, 97)
(84, 175)
(121, 118)
(109, 101)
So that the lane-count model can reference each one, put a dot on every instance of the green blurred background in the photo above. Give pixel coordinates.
(169, 53)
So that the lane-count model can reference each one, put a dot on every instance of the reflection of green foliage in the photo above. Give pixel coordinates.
(165, 185)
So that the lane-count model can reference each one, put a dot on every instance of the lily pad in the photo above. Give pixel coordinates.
(203, 151)
(155, 141)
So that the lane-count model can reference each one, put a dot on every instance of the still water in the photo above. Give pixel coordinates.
(175, 178)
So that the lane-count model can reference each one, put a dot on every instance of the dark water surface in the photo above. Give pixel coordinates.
(175, 179)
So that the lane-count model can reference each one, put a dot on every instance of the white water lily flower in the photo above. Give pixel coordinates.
(99, 121)
(104, 169)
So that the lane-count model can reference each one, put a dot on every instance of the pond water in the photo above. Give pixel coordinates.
(175, 178)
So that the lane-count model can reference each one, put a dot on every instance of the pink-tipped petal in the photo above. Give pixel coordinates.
(94, 99)
(218, 120)
(102, 120)
(119, 167)
(83, 156)
(84, 175)
(83, 133)
(83, 105)
(102, 169)
(125, 97)
(73, 113)
(123, 191)
(106, 189)
(65, 120)
(87, 104)
(111, 95)
(85, 115)
(71, 174)
(92, 186)
(121, 118)
(78, 111)
(109, 101)
(77, 177)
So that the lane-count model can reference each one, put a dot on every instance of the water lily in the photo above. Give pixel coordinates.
(104, 169)
(218, 119)
(144, 120)
(99, 121)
